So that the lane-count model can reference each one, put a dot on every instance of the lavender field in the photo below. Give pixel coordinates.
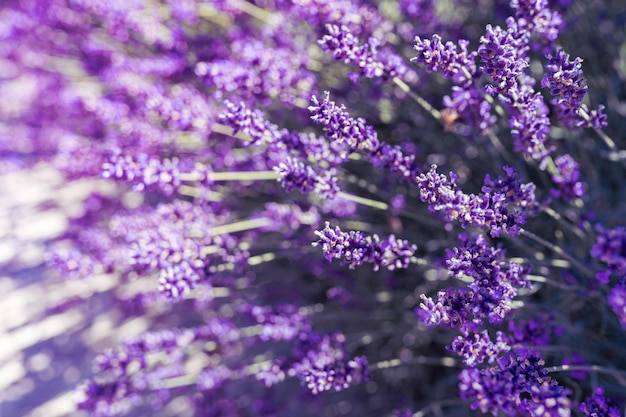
(268, 208)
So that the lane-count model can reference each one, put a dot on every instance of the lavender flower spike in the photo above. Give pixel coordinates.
(356, 249)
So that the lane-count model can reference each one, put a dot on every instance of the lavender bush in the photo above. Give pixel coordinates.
(395, 208)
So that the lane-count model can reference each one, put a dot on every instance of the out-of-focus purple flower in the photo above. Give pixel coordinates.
(250, 122)
(281, 323)
(144, 172)
(294, 174)
(548, 399)
(324, 366)
(258, 72)
(597, 117)
(617, 301)
(598, 406)
(535, 17)
(577, 359)
(469, 105)
(533, 332)
(610, 248)
(567, 179)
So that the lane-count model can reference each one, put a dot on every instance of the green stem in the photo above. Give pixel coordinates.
(619, 375)
(560, 251)
(418, 99)
(365, 201)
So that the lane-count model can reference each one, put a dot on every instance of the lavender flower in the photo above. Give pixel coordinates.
(504, 54)
(500, 388)
(565, 79)
(610, 248)
(356, 135)
(617, 301)
(476, 348)
(567, 179)
(161, 132)
(295, 175)
(489, 210)
(598, 405)
(456, 63)
(344, 46)
(324, 366)
(356, 249)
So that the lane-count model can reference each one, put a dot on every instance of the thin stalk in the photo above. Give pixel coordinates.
(620, 376)
(240, 226)
(560, 251)
(418, 99)
(365, 201)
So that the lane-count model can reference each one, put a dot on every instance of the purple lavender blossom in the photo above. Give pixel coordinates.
(504, 55)
(536, 17)
(565, 80)
(500, 388)
(294, 174)
(355, 249)
(617, 301)
(357, 135)
(489, 210)
(344, 46)
(476, 348)
(144, 172)
(567, 179)
(598, 406)
(456, 63)
(324, 366)
(610, 248)
(529, 122)
(470, 106)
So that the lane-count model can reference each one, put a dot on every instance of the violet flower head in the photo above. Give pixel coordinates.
(250, 122)
(323, 365)
(477, 347)
(294, 174)
(530, 124)
(518, 384)
(610, 248)
(470, 106)
(354, 248)
(344, 46)
(455, 62)
(144, 172)
(536, 17)
(340, 126)
(617, 301)
(489, 210)
(281, 323)
(598, 406)
(504, 56)
(487, 297)
(567, 179)
(565, 80)
(357, 135)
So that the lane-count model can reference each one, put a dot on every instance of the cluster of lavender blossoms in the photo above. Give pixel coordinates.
(243, 160)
